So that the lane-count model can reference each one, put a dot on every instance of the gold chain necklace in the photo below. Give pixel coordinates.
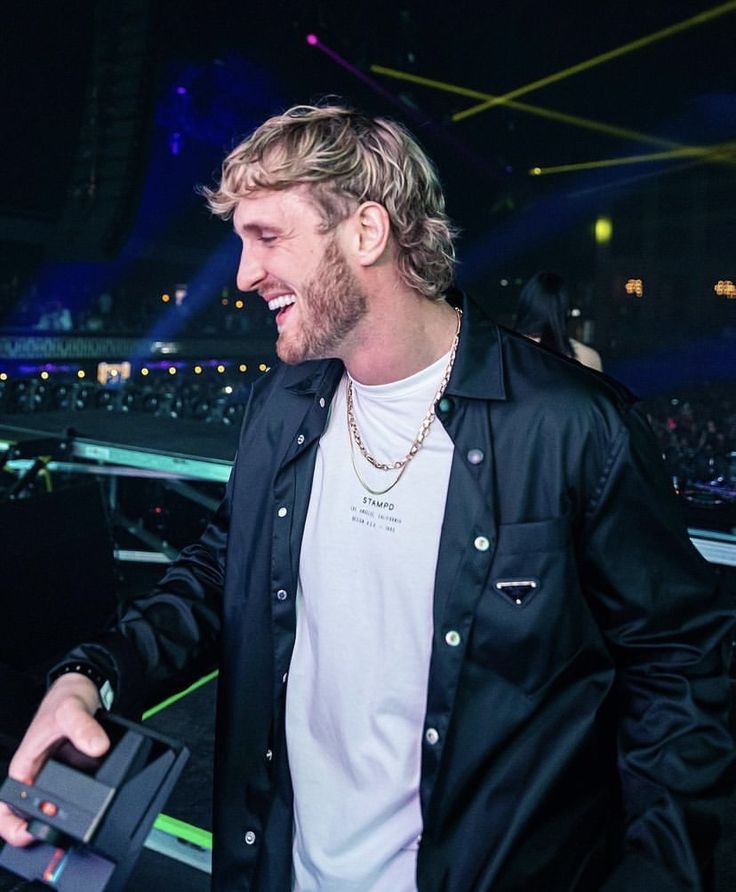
(402, 464)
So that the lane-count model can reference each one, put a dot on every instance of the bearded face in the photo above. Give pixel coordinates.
(329, 308)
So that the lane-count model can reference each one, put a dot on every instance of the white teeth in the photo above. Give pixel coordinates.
(276, 303)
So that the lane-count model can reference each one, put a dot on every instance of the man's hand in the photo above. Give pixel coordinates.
(65, 712)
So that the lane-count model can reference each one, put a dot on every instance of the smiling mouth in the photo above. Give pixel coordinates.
(281, 304)
(283, 300)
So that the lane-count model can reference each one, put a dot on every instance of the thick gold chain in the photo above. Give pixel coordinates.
(423, 428)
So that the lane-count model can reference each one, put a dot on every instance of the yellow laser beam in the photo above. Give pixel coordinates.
(561, 117)
(429, 82)
(710, 153)
(637, 178)
(707, 16)
(721, 152)
(590, 124)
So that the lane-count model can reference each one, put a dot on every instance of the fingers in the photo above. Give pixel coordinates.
(26, 763)
(66, 712)
(12, 828)
(68, 718)
(76, 723)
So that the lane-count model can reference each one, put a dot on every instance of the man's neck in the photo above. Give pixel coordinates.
(400, 339)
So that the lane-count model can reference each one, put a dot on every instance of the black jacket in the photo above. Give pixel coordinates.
(581, 738)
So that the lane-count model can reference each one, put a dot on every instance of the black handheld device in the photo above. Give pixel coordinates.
(90, 817)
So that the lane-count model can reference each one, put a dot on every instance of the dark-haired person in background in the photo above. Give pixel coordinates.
(542, 315)
(465, 643)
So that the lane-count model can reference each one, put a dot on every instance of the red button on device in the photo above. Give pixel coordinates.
(48, 808)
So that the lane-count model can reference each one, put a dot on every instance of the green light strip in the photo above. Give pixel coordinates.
(181, 830)
(174, 827)
(175, 697)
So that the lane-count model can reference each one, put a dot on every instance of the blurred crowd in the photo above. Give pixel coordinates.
(122, 312)
(696, 431)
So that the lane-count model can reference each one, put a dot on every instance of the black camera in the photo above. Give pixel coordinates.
(90, 817)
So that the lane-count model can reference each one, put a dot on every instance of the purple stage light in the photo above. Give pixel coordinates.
(312, 39)
(181, 91)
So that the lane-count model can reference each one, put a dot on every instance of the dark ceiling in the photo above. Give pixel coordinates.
(240, 61)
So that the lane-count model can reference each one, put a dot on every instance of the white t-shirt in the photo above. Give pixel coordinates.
(357, 689)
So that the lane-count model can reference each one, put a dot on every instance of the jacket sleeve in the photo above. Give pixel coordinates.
(668, 623)
(168, 638)
(164, 640)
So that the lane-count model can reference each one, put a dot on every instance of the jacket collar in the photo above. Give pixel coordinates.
(477, 373)
(478, 369)
(315, 376)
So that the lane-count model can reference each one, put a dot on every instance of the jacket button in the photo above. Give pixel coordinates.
(444, 404)
(481, 543)
(452, 638)
(282, 512)
(269, 755)
(475, 456)
(431, 735)
(300, 439)
(322, 402)
(249, 838)
(282, 594)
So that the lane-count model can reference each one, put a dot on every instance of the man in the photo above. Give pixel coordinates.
(465, 645)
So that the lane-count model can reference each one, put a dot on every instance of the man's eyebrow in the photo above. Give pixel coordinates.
(254, 226)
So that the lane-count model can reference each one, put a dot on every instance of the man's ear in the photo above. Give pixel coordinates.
(371, 233)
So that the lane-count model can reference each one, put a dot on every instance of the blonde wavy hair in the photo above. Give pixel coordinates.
(348, 158)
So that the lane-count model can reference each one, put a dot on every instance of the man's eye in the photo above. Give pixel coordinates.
(267, 239)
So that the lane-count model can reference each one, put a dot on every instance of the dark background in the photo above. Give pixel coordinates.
(114, 111)
(101, 153)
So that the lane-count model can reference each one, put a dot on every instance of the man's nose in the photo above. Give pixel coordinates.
(250, 271)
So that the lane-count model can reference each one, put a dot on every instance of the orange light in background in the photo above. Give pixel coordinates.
(725, 288)
(220, 368)
(239, 304)
(242, 367)
(112, 372)
(224, 301)
(144, 371)
(197, 369)
(635, 287)
(165, 298)
(263, 367)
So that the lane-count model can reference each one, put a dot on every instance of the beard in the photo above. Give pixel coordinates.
(331, 306)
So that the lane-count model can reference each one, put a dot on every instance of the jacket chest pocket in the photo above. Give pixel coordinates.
(531, 619)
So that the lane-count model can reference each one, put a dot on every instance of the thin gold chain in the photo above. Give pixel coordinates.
(373, 492)
(423, 428)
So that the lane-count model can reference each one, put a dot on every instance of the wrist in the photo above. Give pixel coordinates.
(69, 674)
